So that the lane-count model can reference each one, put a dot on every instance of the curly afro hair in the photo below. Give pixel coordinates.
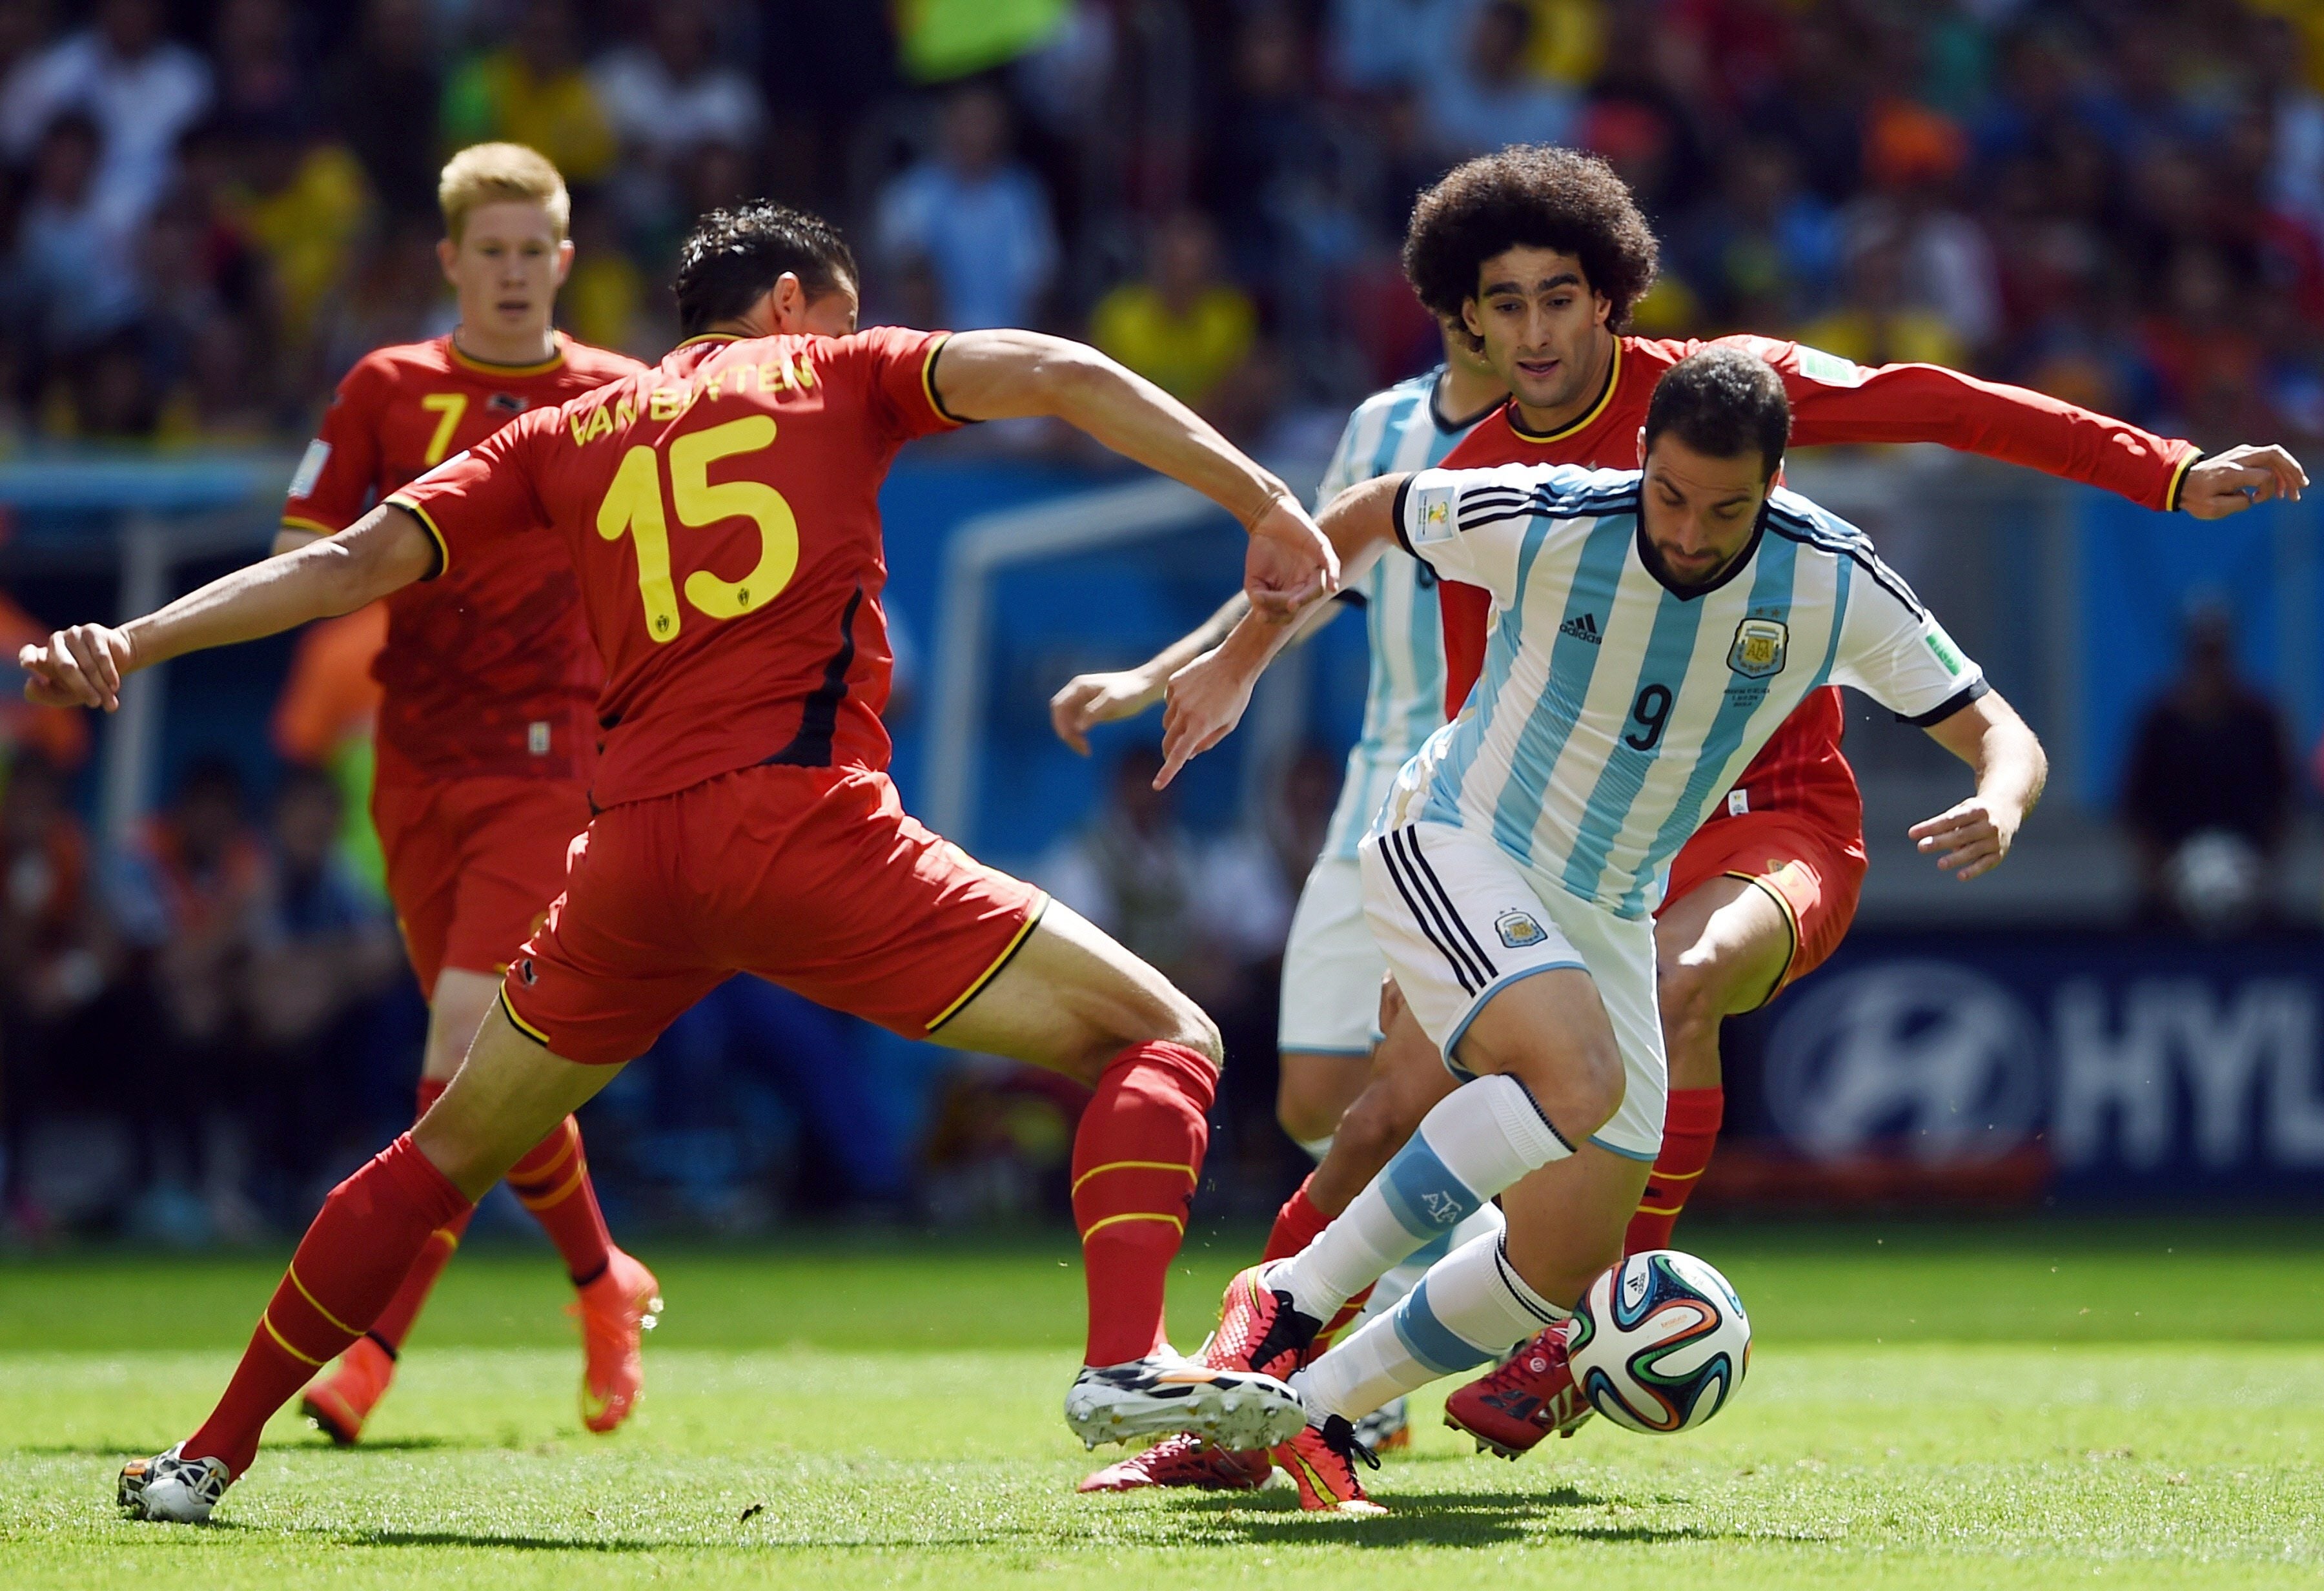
(1529, 195)
(734, 257)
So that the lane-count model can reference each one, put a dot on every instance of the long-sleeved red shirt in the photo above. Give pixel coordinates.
(1833, 401)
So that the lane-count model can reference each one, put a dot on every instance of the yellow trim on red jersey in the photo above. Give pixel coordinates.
(291, 522)
(1613, 380)
(522, 1026)
(711, 336)
(2179, 480)
(1015, 942)
(443, 548)
(484, 367)
(928, 382)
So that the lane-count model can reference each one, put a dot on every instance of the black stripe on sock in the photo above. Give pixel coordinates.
(385, 1347)
(1515, 1283)
(1543, 1115)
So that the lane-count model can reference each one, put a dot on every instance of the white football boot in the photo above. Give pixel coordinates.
(172, 1490)
(1166, 1392)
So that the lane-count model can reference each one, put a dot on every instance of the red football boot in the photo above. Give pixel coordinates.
(1183, 1461)
(1530, 1396)
(1321, 1461)
(615, 1310)
(339, 1401)
(1259, 1330)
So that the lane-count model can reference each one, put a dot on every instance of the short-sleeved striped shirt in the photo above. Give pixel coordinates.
(1614, 710)
(1394, 431)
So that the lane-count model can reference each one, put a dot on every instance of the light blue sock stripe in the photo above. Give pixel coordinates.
(1430, 1340)
(1670, 648)
(1771, 598)
(1422, 1192)
(1597, 577)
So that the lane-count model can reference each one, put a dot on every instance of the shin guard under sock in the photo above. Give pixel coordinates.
(1470, 1308)
(348, 1266)
(1138, 1157)
(1691, 1121)
(1478, 1140)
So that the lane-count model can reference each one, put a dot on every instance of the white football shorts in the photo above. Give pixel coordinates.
(1459, 920)
(1332, 969)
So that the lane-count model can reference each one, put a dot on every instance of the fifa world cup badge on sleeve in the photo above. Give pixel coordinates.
(1433, 511)
(1759, 647)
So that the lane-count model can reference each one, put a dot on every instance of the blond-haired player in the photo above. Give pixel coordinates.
(487, 737)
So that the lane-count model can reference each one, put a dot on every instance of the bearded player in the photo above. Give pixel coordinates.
(485, 737)
(1539, 253)
(721, 513)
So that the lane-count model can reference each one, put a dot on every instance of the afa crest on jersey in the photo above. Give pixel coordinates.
(1760, 648)
(1519, 930)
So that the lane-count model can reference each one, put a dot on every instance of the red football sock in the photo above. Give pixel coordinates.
(1690, 1130)
(1295, 1225)
(394, 1322)
(1138, 1157)
(348, 1265)
(552, 1181)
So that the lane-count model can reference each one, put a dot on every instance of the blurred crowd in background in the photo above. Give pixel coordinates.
(209, 210)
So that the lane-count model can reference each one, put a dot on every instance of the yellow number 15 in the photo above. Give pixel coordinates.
(633, 507)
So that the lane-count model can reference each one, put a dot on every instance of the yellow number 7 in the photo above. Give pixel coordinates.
(451, 406)
(633, 507)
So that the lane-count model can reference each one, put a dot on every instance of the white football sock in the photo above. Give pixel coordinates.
(1481, 1138)
(1402, 1277)
(1317, 1148)
(1470, 1308)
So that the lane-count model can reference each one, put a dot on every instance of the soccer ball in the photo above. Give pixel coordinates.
(1659, 1343)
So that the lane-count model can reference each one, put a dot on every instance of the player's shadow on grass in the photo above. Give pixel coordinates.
(1431, 1519)
(500, 1539)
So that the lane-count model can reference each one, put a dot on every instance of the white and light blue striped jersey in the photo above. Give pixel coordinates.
(1614, 711)
(1396, 431)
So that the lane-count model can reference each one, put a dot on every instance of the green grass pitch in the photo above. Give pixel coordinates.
(2133, 1404)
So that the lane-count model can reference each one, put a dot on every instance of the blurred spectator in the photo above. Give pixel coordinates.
(979, 220)
(140, 89)
(2208, 788)
(1876, 323)
(321, 946)
(71, 275)
(260, 79)
(670, 93)
(532, 91)
(325, 719)
(1132, 871)
(1766, 252)
(1183, 326)
(57, 961)
(303, 204)
(1476, 87)
(383, 89)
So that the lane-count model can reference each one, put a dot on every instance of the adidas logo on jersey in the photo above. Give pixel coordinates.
(1584, 628)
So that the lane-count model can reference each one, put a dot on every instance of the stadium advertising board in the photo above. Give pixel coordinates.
(2014, 1069)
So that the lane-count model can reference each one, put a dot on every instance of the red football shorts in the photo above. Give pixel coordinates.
(1814, 873)
(472, 863)
(813, 878)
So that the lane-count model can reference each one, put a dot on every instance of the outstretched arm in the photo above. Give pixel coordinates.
(1208, 696)
(385, 550)
(1013, 375)
(1834, 401)
(1974, 836)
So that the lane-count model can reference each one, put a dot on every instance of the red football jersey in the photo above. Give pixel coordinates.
(1833, 401)
(721, 510)
(489, 671)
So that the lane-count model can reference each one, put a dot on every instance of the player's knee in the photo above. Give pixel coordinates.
(1370, 1130)
(1189, 1026)
(1302, 1113)
(1695, 993)
(1580, 1088)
